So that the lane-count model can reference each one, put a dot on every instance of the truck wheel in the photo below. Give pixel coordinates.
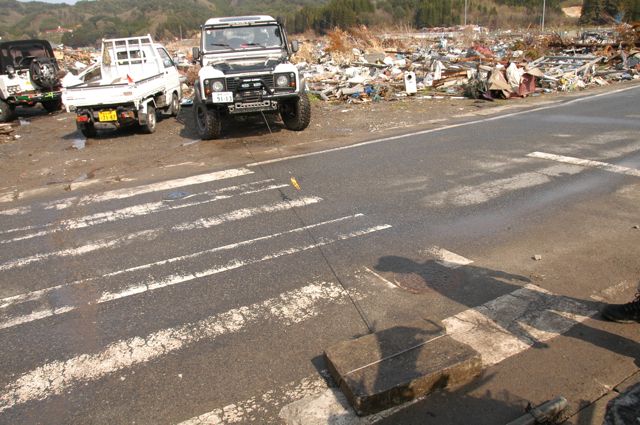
(207, 122)
(174, 108)
(150, 126)
(296, 115)
(7, 113)
(52, 105)
(88, 130)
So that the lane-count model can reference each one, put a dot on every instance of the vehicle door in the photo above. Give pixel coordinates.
(171, 74)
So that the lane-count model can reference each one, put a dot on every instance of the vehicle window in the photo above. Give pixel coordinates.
(134, 57)
(21, 53)
(166, 59)
(241, 38)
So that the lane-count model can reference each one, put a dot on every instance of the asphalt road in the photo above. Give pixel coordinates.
(210, 298)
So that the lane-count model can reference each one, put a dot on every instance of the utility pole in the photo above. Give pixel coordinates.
(544, 6)
(465, 13)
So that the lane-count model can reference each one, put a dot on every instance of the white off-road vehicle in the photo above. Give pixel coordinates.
(245, 69)
(28, 75)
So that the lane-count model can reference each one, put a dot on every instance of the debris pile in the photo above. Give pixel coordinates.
(359, 66)
(6, 133)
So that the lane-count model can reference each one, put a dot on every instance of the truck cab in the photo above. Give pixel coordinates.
(245, 69)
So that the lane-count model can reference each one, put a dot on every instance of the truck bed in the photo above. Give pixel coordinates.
(99, 93)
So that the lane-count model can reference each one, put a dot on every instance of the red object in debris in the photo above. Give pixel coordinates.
(528, 85)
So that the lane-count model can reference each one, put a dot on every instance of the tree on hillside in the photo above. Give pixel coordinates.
(592, 13)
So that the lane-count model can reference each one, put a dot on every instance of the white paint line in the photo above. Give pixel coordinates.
(447, 258)
(36, 295)
(586, 163)
(81, 250)
(382, 279)
(141, 210)
(166, 185)
(474, 195)
(7, 197)
(130, 192)
(498, 330)
(259, 409)
(440, 129)
(330, 407)
(16, 211)
(609, 295)
(56, 377)
(177, 279)
(243, 213)
(233, 264)
(235, 215)
(515, 322)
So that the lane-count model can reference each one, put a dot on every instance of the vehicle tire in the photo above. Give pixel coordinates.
(174, 108)
(52, 105)
(296, 114)
(88, 130)
(7, 113)
(150, 126)
(208, 122)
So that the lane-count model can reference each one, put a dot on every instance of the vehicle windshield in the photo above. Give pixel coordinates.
(242, 38)
(21, 54)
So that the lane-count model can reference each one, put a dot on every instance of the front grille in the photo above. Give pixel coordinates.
(236, 83)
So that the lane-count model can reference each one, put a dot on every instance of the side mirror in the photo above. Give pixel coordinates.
(195, 52)
(11, 71)
(295, 46)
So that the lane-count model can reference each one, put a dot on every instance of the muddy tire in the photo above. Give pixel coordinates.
(7, 113)
(296, 114)
(88, 130)
(150, 126)
(208, 121)
(174, 107)
(52, 105)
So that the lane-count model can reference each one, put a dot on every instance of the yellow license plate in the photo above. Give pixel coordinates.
(107, 116)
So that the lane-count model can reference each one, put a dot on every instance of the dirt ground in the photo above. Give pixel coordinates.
(49, 155)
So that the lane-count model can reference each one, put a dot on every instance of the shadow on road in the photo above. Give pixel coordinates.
(476, 288)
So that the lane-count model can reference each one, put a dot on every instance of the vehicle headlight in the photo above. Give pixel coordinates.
(286, 81)
(282, 81)
(217, 85)
(211, 86)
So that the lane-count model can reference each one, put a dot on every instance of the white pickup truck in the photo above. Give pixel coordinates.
(138, 78)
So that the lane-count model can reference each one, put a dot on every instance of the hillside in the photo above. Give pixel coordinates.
(92, 20)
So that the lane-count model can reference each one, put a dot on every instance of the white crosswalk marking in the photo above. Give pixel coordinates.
(586, 163)
(36, 295)
(58, 376)
(477, 194)
(172, 280)
(136, 211)
(498, 329)
(127, 192)
(514, 322)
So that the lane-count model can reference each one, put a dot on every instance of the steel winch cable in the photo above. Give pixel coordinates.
(304, 225)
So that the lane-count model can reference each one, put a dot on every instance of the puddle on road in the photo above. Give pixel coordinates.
(174, 196)
(79, 143)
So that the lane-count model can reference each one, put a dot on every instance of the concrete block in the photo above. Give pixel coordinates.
(397, 365)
